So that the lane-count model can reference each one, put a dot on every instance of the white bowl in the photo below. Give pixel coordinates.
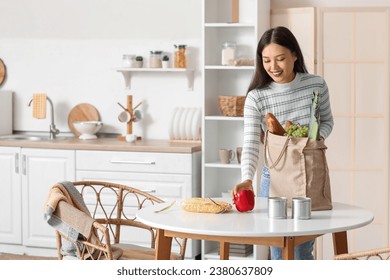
(88, 129)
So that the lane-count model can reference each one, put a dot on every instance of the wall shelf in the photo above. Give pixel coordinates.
(127, 74)
(220, 67)
(223, 118)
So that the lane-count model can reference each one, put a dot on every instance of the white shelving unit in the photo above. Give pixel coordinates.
(220, 131)
(128, 72)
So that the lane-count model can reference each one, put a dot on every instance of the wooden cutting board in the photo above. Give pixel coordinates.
(82, 112)
(2, 72)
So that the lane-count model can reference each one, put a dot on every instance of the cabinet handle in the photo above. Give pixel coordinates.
(17, 163)
(149, 191)
(133, 162)
(24, 164)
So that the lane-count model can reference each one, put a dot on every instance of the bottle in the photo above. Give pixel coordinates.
(155, 59)
(228, 53)
(180, 56)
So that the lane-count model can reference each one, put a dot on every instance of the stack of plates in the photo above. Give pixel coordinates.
(185, 124)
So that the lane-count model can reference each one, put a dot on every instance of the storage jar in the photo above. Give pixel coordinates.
(180, 56)
(155, 59)
(228, 53)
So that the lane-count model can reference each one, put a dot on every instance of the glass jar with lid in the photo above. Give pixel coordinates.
(228, 53)
(155, 59)
(127, 60)
(180, 56)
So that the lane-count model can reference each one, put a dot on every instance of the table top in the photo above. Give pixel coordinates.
(255, 223)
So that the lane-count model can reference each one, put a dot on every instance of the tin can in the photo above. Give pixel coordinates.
(277, 207)
(301, 208)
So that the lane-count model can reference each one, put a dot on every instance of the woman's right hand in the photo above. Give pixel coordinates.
(246, 185)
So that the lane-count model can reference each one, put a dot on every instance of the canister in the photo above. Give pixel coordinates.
(180, 56)
(228, 53)
(127, 60)
(277, 207)
(301, 208)
(155, 59)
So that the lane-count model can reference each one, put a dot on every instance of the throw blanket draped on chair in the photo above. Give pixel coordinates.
(67, 213)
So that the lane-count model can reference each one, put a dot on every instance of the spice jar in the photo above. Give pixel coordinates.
(155, 59)
(180, 56)
(228, 53)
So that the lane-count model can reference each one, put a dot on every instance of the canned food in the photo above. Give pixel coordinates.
(301, 208)
(277, 207)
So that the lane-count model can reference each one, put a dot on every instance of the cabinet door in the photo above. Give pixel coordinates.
(10, 196)
(41, 169)
(354, 60)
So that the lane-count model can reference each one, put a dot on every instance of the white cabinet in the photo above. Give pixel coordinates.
(28, 175)
(10, 194)
(169, 176)
(353, 57)
(220, 131)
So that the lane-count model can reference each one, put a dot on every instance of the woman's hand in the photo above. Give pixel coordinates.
(246, 185)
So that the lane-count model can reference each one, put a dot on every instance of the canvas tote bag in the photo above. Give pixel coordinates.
(298, 168)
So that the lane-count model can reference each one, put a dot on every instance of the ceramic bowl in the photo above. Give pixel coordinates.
(88, 129)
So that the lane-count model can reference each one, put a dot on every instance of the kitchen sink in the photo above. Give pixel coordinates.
(22, 137)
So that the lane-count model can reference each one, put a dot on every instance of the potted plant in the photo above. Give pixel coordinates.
(138, 63)
(165, 61)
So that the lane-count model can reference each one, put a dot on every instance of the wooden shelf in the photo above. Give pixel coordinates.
(223, 118)
(128, 71)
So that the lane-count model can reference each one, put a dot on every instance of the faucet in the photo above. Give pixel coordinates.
(53, 130)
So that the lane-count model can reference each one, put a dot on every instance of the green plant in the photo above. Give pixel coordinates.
(165, 58)
(139, 58)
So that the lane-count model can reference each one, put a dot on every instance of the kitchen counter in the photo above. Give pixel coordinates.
(108, 144)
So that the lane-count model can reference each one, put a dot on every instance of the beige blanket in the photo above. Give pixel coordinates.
(66, 211)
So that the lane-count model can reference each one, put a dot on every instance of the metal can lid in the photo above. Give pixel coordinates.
(156, 52)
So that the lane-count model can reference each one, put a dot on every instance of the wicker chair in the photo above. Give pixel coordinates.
(113, 207)
(374, 254)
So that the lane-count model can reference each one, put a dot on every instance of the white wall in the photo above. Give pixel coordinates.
(69, 49)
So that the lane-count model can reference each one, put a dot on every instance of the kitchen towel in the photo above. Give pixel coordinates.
(39, 105)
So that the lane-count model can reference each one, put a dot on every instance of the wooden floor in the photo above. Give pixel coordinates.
(23, 257)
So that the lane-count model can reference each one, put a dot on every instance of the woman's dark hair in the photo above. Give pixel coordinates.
(282, 36)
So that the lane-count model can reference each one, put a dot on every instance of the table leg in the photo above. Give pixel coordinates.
(340, 243)
(224, 250)
(288, 249)
(163, 246)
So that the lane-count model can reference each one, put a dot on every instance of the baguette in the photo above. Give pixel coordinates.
(274, 125)
(205, 205)
(288, 124)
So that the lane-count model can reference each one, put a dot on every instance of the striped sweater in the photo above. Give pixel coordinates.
(290, 101)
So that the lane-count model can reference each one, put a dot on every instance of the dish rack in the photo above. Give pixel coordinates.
(185, 124)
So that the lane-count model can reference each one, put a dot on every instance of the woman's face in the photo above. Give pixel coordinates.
(279, 61)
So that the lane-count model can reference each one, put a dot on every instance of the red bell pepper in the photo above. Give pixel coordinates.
(244, 200)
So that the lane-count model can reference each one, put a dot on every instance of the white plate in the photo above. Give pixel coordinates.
(176, 124)
(182, 124)
(189, 119)
(172, 119)
(196, 122)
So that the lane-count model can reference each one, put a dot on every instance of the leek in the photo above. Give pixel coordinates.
(314, 117)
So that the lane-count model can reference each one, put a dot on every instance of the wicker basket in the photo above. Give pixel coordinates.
(231, 106)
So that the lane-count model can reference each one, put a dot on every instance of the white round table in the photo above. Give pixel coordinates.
(253, 227)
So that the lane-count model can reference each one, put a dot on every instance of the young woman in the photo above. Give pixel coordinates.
(281, 85)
